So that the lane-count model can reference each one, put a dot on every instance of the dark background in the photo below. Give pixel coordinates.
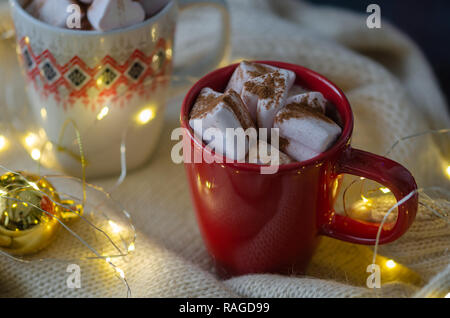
(427, 22)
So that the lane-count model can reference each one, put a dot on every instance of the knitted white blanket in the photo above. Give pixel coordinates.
(393, 94)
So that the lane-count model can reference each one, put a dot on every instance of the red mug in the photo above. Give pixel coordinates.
(255, 223)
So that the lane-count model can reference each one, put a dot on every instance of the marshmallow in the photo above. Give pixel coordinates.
(152, 7)
(245, 72)
(297, 150)
(262, 153)
(306, 132)
(265, 95)
(105, 15)
(216, 112)
(297, 90)
(53, 12)
(314, 100)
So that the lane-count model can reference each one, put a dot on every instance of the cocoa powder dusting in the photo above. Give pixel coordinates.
(300, 110)
(284, 143)
(206, 102)
(233, 100)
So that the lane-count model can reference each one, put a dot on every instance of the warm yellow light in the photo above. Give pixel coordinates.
(34, 186)
(14, 205)
(31, 139)
(169, 53)
(145, 116)
(43, 113)
(3, 192)
(365, 200)
(121, 273)
(103, 113)
(390, 264)
(131, 248)
(99, 81)
(385, 190)
(208, 184)
(115, 228)
(108, 260)
(42, 133)
(2, 142)
(35, 154)
(448, 170)
(447, 296)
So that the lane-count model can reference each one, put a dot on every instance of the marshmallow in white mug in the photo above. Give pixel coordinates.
(53, 12)
(265, 95)
(314, 100)
(105, 15)
(216, 112)
(245, 72)
(306, 132)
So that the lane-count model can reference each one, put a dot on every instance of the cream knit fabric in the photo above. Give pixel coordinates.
(393, 93)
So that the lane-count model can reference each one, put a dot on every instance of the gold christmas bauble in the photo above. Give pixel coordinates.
(28, 213)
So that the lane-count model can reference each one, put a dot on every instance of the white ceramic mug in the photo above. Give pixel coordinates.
(108, 88)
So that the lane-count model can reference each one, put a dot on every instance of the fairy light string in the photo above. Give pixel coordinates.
(121, 253)
(366, 195)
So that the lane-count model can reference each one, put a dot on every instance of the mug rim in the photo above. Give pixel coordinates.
(151, 20)
(346, 115)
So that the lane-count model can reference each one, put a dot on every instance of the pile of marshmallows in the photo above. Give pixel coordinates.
(264, 96)
(100, 15)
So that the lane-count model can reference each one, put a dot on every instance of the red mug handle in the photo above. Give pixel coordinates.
(391, 175)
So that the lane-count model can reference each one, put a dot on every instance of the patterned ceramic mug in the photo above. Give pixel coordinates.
(107, 88)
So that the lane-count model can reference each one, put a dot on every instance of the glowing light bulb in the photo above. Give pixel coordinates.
(390, 264)
(99, 81)
(365, 200)
(145, 116)
(2, 142)
(385, 190)
(43, 113)
(35, 154)
(131, 248)
(169, 53)
(121, 273)
(208, 184)
(448, 170)
(115, 228)
(102, 114)
(30, 139)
